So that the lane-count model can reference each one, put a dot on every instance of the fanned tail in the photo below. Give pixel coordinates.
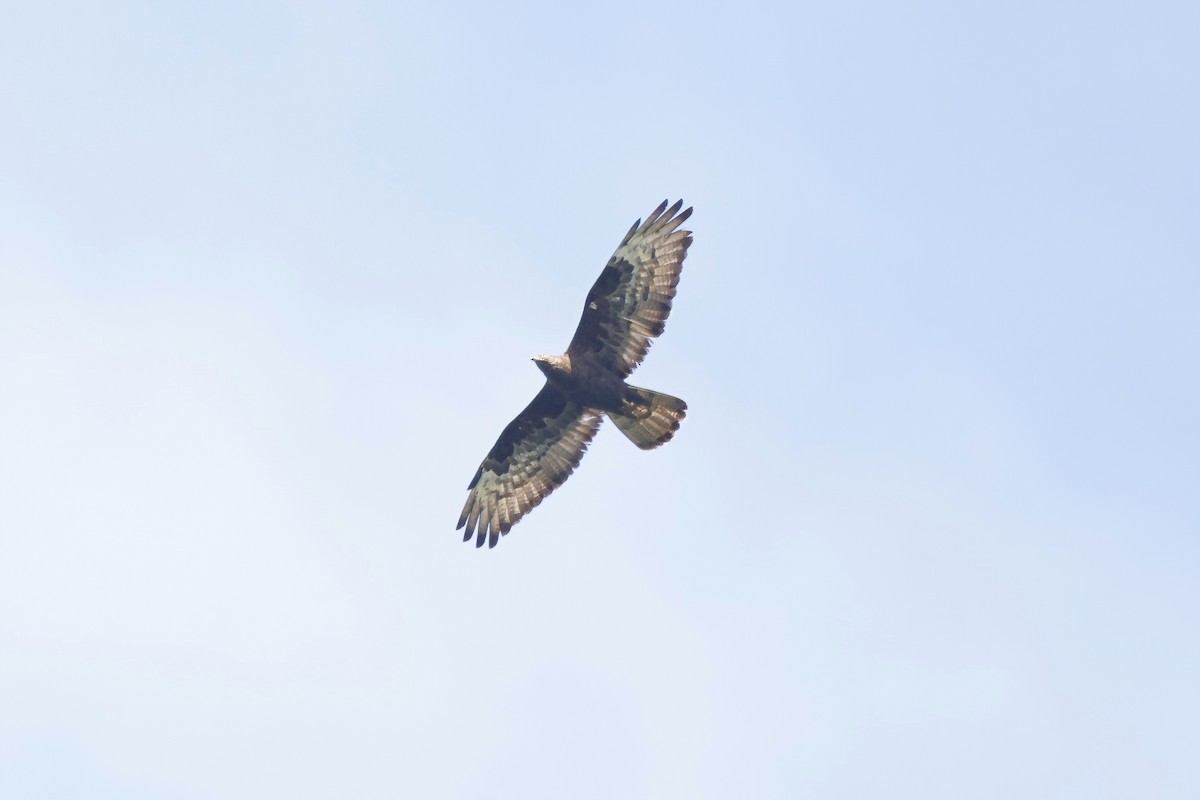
(649, 418)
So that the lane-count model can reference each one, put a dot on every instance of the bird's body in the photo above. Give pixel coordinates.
(626, 308)
(585, 383)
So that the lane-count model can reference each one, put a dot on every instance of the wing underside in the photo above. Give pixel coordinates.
(534, 455)
(629, 303)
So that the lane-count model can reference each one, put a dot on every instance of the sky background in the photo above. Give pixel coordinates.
(270, 277)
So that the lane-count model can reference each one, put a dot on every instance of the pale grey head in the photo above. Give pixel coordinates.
(552, 364)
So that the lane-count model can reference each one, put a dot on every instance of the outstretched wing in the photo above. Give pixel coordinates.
(629, 303)
(533, 456)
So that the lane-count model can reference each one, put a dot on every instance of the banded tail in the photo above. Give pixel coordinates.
(649, 418)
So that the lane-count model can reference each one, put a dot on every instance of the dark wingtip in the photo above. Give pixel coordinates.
(493, 537)
(656, 214)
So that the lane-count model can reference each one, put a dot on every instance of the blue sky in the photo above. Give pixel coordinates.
(270, 277)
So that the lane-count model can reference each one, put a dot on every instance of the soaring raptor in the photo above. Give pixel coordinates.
(626, 308)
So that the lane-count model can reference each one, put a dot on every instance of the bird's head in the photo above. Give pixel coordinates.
(549, 364)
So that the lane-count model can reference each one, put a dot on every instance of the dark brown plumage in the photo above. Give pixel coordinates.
(626, 308)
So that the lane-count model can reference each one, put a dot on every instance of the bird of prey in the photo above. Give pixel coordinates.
(625, 309)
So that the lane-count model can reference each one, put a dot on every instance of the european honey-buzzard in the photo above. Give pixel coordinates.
(626, 308)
